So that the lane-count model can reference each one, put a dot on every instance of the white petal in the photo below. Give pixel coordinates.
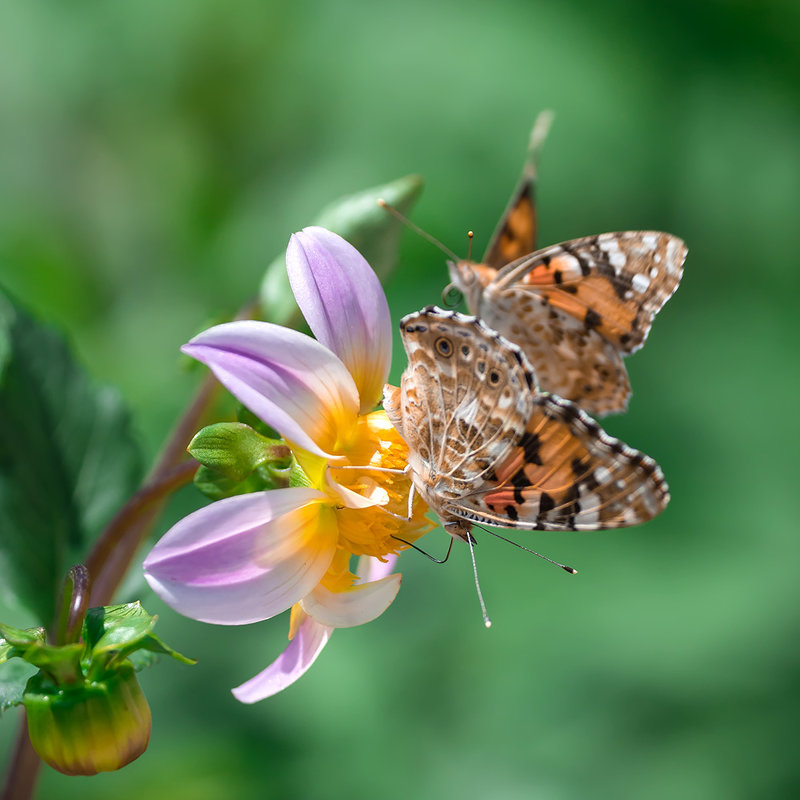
(351, 499)
(292, 382)
(373, 569)
(293, 662)
(361, 603)
(246, 558)
(343, 302)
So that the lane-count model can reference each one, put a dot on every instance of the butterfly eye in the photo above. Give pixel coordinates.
(444, 347)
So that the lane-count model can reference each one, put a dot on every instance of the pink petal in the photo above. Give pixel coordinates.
(292, 382)
(344, 305)
(373, 569)
(245, 558)
(362, 602)
(293, 662)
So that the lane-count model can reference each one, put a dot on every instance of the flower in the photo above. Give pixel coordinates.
(252, 556)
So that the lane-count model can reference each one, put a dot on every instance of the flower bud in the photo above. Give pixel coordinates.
(91, 726)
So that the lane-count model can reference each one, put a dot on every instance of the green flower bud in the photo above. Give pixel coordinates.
(91, 727)
(86, 712)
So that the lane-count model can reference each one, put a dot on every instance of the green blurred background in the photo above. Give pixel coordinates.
(154, 157)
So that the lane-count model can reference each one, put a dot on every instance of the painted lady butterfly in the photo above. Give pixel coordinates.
(575, 308)
(485, 446)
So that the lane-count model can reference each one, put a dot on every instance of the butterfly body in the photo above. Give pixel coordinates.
(487, 447)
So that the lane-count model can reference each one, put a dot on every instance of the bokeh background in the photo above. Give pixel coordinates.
(155, 157)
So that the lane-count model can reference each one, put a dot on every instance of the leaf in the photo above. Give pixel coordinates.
(13, 677)
(358, 218)
(68, 460)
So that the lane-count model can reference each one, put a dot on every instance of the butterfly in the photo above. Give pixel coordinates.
(487, 447)
(575, 308)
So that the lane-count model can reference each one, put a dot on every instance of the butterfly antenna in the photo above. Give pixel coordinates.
(571, 570)
(470, 235)
(486, 621)
(424, 234)
(427, 555)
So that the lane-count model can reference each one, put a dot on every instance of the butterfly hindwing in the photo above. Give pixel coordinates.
(568, 358)
(566, 473)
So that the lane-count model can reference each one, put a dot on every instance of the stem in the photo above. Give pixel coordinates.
(24, 766)
(74, 602)
(114, 550)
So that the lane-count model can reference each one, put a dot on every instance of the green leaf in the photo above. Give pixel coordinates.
(13, 677)
(68, 460)
(373, 231)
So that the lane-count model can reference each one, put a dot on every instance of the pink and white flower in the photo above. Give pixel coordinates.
(252, 556)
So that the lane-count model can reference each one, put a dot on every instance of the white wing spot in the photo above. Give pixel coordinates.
(650, 241)
(640, 283)
(654, 272)
(672, 256)
(617, 259)
(602, 475)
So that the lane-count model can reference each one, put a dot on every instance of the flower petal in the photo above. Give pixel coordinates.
(343, 302)
(292, 382)
(373, 569)
(245, 558)
(356, 605)
(351, 499)
(293, 662)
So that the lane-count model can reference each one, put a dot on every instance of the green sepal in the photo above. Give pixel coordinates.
(235, 450)
(236, 459)
(112, 633)
(358, 218)
(61, 663)
(13, 639)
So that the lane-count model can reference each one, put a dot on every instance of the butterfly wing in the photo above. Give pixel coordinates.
(614, 283)
(486, 447)
(461, 401)
(576, 308)
(566, 473)
(568, 358)
(516, 233)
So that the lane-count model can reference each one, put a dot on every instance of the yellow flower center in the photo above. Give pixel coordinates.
(376, 530)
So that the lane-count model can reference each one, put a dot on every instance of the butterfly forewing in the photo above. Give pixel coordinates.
(485, 446)
(462, 398)
(613, 283)
(516, 234)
